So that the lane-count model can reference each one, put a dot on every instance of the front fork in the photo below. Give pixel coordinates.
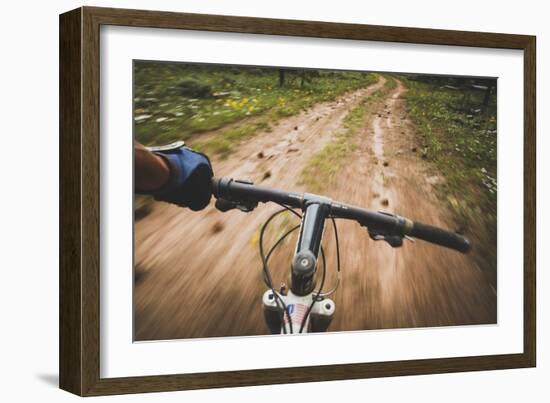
(297, 307)
(300, 296)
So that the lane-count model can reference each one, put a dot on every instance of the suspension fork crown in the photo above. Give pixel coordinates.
(318, 319)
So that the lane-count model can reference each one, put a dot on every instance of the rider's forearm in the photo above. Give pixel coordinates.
(151, 170)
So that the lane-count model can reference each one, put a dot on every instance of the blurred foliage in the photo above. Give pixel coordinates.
(174, 101)
(456, 120)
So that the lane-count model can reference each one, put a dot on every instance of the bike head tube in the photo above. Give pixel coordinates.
(304, 263)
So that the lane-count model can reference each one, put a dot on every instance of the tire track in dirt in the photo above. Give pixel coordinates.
(419, 284)
(198, 274)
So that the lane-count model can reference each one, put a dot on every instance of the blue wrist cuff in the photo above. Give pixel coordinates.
(189, 184)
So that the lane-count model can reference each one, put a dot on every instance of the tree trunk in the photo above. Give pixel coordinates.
(488, 93)
(281, 77)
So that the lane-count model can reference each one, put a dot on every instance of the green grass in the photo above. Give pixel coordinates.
(174, 101)
(390, 83)
(223, 143)
(322, 167)
(458, 134)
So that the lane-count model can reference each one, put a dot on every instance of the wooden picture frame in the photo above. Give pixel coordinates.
(79, 200)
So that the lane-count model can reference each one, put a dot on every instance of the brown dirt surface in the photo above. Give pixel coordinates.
(199, 274)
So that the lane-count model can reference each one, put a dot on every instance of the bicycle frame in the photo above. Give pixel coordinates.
(301, 312)
(284, 311)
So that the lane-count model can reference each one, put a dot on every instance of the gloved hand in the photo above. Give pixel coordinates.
(191, 173)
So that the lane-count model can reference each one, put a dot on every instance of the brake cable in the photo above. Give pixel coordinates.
(320, 295)
(326, 294)
(315, 298)
(267, 274)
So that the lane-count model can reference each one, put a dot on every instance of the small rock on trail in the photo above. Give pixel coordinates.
(217, 227)
(407, 287)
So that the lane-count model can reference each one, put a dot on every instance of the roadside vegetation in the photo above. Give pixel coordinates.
(390, 83)
(457, 129)
(214, 108)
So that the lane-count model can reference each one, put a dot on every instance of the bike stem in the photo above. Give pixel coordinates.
(314, 212)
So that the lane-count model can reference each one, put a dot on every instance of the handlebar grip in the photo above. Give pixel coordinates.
(440, 237)
(247, 193)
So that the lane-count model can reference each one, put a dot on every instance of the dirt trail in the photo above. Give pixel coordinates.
(198, 274)
(419, 284)
(196, 270)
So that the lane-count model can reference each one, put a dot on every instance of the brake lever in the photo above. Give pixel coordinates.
(395, 241)
(224, 205)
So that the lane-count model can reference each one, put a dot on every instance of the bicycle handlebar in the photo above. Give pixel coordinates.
(440, 237)
(246, 195)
